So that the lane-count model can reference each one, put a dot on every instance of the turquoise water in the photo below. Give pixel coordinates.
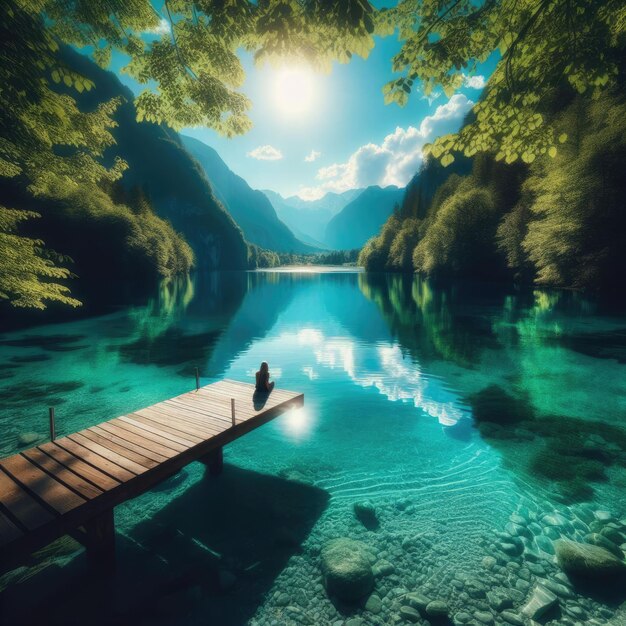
(396, 372)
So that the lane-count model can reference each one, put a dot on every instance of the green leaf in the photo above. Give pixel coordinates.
(447, 159)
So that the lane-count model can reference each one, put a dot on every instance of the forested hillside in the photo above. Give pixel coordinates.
(161, 168)
(153, 221)
(559, 220)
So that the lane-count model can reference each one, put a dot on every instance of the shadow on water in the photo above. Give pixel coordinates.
(208, 556)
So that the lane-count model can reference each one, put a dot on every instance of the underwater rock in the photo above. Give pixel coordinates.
(498, 601)
(366, 514)
(437, 608)
(374, 604)
(587, 560)
(557, 588)
(541, 601)
(417, 600)
(383, 568)
(282, 599)
(512, 618)
(25, 439)
(346, 570)
(613, 533)
(410, 614)
(604, 516)
(544, 543)
(596, 539)
(484, 617)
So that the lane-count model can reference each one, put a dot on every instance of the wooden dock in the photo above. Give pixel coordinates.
(71, 485)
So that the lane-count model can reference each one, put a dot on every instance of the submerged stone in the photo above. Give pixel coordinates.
(383, 568)
(596, 539)
(437, 608)
(346, 570)
(512, 618)
(585, 559)
(410, 614)
(417, 600)
(25, 439)
(374, 604)
(540, 602)
(366, 514)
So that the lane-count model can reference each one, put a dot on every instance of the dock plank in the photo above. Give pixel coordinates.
(48, 489)
(202, 425)
(78, 466)
(62, 474)
(139, 439)
(125, 448)
(93, 458)
(67, 485)
(198, 411)
(179, 429)
(162, 431)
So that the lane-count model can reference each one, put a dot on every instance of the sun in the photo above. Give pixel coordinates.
(295, 90)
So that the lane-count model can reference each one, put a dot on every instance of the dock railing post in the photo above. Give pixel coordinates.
(197, 379)
(52, 428)
(232, 410)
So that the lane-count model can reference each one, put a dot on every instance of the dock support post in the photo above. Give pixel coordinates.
(197, 379)
(99, 539)
(232, 410)
(52, 425)
(214, 461)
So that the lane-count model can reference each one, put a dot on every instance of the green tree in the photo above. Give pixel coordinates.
(577, 234)
(548, 51)
(460, 239)
(27, 273)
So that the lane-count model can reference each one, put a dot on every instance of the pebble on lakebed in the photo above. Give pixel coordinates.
(398, 579)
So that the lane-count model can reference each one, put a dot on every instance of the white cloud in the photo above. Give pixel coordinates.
(311, 193)
(266, 153)
(474, 82)
(163, 28)
(313, 156)
(395, 160)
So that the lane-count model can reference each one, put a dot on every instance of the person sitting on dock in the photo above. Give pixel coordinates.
(263, 384)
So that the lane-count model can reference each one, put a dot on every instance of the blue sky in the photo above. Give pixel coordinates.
(351, 138)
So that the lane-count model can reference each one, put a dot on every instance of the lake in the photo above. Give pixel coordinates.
(473, 426)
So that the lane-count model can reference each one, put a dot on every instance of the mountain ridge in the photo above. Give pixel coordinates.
(362, 218)
(250, 208)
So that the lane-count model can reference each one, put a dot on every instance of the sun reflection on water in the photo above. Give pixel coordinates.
(297, 424)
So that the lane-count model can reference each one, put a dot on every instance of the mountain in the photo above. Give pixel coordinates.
(165, 173)
(362, 218)
(251, 209)
(332, 201)
(308, 218)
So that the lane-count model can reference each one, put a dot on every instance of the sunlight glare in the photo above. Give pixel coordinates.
(296, 424)
(294, 90)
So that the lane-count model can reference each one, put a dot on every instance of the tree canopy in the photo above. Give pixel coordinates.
(548, 49)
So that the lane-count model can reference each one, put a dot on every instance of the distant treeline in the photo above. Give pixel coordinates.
(260, 258)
